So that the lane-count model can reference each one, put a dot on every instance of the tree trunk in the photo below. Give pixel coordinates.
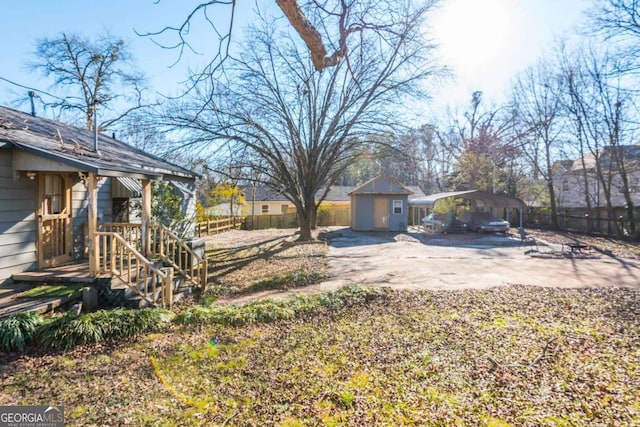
(554, 206)
(314, 219)
(305, 227)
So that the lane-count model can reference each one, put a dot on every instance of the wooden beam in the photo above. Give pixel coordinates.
(92, 223)
(146, 216)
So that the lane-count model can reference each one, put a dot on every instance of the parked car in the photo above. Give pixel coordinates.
(433, 222)
(485, 222)
(433, 218)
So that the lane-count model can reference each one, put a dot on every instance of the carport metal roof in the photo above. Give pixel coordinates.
(494, 200)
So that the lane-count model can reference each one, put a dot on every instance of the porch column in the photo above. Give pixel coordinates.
(92, 223)
(146, 215)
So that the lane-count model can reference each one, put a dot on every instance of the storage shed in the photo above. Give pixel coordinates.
(380, 204)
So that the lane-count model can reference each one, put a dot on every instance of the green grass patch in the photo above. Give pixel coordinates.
(52, 291)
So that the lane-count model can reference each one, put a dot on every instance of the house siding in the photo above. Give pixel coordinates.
(275, 208)
(79, 211)
(17, 220)
(363, 206)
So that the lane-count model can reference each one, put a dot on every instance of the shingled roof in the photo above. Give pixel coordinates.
(74, 147)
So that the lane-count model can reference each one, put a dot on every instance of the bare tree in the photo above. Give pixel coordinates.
(325, 26)
(484, 150)
(300, 128)
(618, 21)
(597, 104)
(90, 73)
(539, 123)
(617, 18)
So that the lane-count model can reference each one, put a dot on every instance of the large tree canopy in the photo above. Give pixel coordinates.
(299, 128)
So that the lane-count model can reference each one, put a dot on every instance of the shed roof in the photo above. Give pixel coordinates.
(381, 185)
(496, 200)
(74, 146)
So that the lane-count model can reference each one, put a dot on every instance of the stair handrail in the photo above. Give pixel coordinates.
(171, 249)
(112, 255)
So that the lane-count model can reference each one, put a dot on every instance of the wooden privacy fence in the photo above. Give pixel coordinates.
(261, 222)
(336, 216)
(579, 219)
(340, 216)
(214, 226)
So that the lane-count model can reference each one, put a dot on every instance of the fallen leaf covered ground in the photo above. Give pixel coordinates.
(521, 356)
(612, 246)
(239, 257)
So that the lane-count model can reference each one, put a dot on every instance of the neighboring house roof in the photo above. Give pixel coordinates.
(496, 200)
(337, 193)
(381, 185)
(74, 147)
(417, 192)
(630, 154)
(263, 194)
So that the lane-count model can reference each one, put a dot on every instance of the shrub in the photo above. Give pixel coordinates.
(70, 330)
(17, 330)
(269, 310)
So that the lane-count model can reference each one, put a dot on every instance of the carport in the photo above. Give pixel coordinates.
(419, 206)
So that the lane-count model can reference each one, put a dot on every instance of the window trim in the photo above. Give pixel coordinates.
(401, 205)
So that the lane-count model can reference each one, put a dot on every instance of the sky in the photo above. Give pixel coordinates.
(484, 42)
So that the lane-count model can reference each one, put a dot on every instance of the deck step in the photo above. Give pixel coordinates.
(11, 305)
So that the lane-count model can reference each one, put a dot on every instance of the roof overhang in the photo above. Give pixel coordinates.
(86, 165)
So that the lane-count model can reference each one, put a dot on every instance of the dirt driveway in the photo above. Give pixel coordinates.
(415, 261)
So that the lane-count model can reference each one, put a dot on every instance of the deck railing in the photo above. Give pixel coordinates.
(120, 259)
(171, 249)
(167, 246)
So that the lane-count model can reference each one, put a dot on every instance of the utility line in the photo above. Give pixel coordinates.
(33, 89)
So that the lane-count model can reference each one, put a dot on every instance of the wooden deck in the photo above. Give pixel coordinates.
(11, 303)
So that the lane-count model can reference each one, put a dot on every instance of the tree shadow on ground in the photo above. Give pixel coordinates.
(226, 261)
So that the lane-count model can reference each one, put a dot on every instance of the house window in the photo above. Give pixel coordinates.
(53, 202)
(265, 209)
(397, 206)
(120, 209)
(565, 185)
(284, 209)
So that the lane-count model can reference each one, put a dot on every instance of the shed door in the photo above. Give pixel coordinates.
(54, 219)
(381, 212)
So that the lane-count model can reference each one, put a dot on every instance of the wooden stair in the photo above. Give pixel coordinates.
(11, 303)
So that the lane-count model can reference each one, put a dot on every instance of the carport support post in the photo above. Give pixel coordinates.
(521, 228)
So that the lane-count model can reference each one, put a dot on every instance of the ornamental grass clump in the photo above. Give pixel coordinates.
(17, 330)
(70, 330)
(270, 310)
